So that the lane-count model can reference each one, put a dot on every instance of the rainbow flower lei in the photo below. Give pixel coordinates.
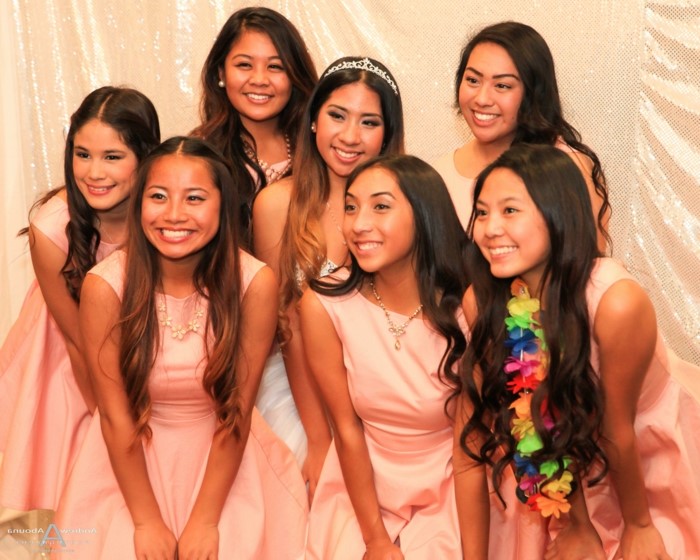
(527, 368)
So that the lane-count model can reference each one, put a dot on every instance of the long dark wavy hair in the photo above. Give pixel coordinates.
(439, 250)
(540, 116)
(217, 278)
(132, 115)
(221, 123)
(302, 249)
(571, 390)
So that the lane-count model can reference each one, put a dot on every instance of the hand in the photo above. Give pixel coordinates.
(198, 542)
(576, 541)
(313, 464)
(382, 550)
(641, 543)
(154, 541)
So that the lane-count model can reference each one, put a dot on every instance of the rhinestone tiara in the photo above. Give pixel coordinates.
(364, 64)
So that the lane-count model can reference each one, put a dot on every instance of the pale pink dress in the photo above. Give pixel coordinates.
(461, 188)
(43, 416)
(667, 427)
(265, 513)
(400, 400)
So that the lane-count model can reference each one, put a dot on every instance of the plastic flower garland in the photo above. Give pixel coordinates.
(527, 368)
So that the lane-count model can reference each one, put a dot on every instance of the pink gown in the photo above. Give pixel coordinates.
(667, 427)
(400, 400)
(43, 417)
(461, 188)
(265, 513)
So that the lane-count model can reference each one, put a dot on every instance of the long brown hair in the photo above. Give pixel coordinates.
(221, 123)
(132, 115)
(217, 278)
(302, 248)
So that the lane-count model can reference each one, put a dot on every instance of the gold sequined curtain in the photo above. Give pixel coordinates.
(629, 74)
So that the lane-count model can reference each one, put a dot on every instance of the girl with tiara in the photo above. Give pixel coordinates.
(354, 113)
(176, 462)
(567, 383)
(506, 90)
(45, 393)
(382, 345)
(255, 82)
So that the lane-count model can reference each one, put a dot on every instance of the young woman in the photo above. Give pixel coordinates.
(382, 346)
(176, 463)
(255, 82)
(567, 381)
(353, 114)
(45, 394)
(506, 90)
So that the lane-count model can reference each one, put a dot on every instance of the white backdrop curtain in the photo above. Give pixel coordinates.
(629, 75)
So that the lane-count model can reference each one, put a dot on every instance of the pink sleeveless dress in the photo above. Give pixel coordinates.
(667, 427)
(400, 400)
(265, 513)
(43, 417)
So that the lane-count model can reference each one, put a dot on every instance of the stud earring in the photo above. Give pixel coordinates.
(313, 128)
(221, 83)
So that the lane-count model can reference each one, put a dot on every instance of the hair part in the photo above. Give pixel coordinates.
(217, 279)
(570, 391)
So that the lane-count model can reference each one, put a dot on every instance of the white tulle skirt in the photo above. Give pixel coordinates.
(277, 407)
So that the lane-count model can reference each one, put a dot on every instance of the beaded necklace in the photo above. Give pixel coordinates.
(271, 174)
(543, 485)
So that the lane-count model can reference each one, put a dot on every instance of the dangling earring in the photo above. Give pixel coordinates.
(221, 83)
(313, 127)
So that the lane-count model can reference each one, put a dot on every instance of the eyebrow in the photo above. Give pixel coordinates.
(79, 147)
(245, 55)
(496, 76)
(341, 108)
(373, 195)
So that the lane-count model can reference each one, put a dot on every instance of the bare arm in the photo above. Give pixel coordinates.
(269, 220)
(625, 331)
(99, 313)
(325, 352)
(471, 489)
(48, 260)
(200, 537)
(586, 166)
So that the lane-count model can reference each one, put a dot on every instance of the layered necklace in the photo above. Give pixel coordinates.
(543, 485)
(396, 330)
(271, 174)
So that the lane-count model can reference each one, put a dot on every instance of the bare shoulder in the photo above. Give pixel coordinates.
(273, 200)
(624, 305)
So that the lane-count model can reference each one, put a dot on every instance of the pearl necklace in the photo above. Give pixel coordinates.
(179, 331)
(271, 174)
(395, 330)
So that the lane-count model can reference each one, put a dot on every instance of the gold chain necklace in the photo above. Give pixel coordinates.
(179, 331)
(270, 174)
(395, 330)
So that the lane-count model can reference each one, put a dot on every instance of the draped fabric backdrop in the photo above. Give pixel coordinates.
(629, 75)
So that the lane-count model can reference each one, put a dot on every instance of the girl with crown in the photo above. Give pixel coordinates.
(354, 113)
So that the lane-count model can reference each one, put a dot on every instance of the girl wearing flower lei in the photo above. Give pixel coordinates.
(580, 426)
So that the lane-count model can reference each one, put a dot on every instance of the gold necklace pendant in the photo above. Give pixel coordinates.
(395, 330)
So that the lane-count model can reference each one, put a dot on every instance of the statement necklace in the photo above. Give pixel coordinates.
(395, 330)
(179, 331)
(543, 485)
(271, 174)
